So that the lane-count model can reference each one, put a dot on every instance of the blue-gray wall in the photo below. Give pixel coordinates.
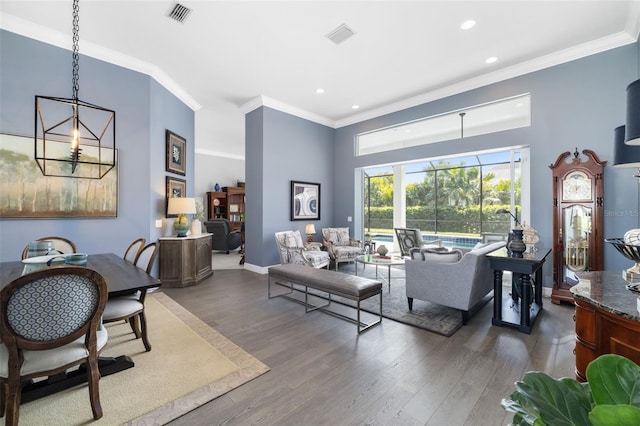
(144, 109)
(281, 148)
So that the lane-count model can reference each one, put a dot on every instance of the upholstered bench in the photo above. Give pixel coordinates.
(331, 282)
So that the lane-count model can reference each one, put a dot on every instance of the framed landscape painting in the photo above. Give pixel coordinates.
(176, 153)
(305, 201)
(25, 193)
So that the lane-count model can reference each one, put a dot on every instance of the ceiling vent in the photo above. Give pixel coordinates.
(179, 12)
(340, 34)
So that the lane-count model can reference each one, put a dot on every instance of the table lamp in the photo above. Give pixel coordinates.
(181, 207)
(310, 229)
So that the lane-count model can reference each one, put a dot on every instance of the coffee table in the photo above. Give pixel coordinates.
(388, 261)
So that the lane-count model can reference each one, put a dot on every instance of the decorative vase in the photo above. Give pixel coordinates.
(383, 250)
(196, 227)
(216, 187)
(517, 245)
(181, 225)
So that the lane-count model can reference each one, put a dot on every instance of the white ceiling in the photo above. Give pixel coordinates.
(227, 55)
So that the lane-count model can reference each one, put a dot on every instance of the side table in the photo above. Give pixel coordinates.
(313, 246)
(184, 261)
(520, 312)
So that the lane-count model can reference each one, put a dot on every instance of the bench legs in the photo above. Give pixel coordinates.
(362, 326)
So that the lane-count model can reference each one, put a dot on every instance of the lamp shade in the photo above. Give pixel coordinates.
(633, 114)
(181, 205)
(310, 229)
(624, 155)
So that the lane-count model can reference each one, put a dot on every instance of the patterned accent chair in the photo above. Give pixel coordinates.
(292, 250)
(340, 246)
(49, 322)
(412, 238)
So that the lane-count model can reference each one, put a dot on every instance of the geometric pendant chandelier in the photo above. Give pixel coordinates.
(73, 138)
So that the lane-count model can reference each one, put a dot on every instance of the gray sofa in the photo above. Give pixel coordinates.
(450, 278)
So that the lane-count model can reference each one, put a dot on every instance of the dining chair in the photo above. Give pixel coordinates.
(134, 249)
(131, 307)
(62, 246)
(49, 322)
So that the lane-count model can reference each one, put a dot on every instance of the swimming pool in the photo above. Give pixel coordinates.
(447, 240)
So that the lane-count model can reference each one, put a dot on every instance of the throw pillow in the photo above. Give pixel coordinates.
(342, 236)
(479, 246)
(441, 255)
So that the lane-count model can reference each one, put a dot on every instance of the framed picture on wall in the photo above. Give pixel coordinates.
(175, 188)
(305, 201)
(176, 153)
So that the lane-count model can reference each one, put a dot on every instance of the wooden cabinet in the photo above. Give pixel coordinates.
(578, 220)
(185, 261)
(216, 205)
(228, 204)
(607, 319)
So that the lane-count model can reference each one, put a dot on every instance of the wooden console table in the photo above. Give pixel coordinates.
(184, 261)
(607, 319)
(521, 312)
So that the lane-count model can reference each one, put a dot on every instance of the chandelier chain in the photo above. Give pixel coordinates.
(75, 57)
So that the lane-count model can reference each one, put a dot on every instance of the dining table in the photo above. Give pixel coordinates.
(122, 278)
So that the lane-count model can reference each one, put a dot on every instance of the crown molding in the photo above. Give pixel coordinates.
(262, 100)
(557, 58)
(37, 32)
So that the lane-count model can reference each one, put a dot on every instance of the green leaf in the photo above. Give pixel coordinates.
(562, 402)
(615, 415)
(614, 380)
(525, 414)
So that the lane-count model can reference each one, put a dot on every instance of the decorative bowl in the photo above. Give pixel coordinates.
(631, 252)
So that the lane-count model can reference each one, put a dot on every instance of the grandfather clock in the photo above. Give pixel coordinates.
(578, 214)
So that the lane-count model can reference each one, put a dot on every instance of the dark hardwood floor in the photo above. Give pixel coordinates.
(323, 373)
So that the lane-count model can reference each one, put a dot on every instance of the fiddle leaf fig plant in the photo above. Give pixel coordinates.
(611, 396)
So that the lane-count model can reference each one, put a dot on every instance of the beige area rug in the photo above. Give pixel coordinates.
(189, 364)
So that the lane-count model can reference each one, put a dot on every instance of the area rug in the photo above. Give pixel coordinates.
(428, 316)
(189, 364)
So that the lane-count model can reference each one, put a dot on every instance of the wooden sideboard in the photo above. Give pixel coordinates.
(607, 319)
(185, 261)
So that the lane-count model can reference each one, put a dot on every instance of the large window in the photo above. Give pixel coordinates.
(455, 196)
(504, 114)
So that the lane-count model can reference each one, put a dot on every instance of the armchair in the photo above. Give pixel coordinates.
(292, 250)
(223, 237)
(412, 238)
(340, 246)
(450, 278)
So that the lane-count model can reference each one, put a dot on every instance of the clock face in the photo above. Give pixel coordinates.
(216, 202)
(576, 186)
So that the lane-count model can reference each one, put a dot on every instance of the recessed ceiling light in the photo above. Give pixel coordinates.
(470, 23)
(319, 90)
(491, 60)
(355, 106)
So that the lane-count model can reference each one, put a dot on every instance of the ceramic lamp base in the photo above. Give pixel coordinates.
(181, 225)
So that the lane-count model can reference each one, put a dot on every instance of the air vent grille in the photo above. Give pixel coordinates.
(340, 34)
(179, 12)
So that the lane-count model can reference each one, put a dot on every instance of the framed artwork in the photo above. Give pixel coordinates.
(176, 153)
(25, 193)
(305, 201)
(175, 188)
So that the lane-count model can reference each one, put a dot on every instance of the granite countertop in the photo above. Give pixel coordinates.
(607, 290)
